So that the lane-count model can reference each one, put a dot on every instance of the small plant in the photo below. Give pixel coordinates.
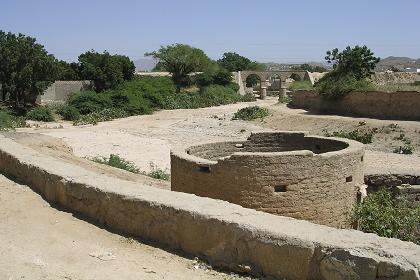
(406, 149)
(251, 113)
(41, 113)
(285, 99)
(158, 173)
(381, 214)
(69, 113)
(365, 137)
(116, 161)
(100, 116)
(362, 123)
(301, 85)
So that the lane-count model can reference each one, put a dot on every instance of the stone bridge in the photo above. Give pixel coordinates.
(264, 76)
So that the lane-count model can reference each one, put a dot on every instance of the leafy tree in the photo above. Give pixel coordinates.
(310, 68)
(106, 70)
(26, 68)
(67, 71)
(180, 60)
(235, 62)
(357, 61)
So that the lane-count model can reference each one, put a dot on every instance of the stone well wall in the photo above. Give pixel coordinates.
(384, 105)
(225, 234)
(283, 173)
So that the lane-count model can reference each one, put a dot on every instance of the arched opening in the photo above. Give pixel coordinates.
(253, 84)
(274, 85)
(295, 77)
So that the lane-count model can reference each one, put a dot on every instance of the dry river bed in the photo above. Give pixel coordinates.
(41, 242)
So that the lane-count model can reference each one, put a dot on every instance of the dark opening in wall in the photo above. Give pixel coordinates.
(204, 169)
(361, 158)
(280, 188)
(349, 179)
(317, 147)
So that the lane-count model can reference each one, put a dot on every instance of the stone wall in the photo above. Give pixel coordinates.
(383, 78)
(284, 173)
(383, 105)
(224, 234)
(60, 91)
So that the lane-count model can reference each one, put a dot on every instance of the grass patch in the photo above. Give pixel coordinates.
(9, 121)
(365, 137)
(301, 85)
(250, 113)
(158, 173)
(100, 116)
(380, 213)
(397, 87)
(116, 161)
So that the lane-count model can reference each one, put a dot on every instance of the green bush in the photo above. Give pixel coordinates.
(335, 86)
(301, 85)
(6, 121)
(364, 137)
(41, 113)
(69, 113)
(116, 161)
(87, 102)
(250, 113)
(158, 173)
(381, 214)
(406, 149)
(108, 114)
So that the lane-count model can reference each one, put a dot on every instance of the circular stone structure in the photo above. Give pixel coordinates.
(284, 173)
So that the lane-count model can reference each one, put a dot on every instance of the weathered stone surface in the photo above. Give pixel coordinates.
(225, 234)
(284, 173)
(394, 105)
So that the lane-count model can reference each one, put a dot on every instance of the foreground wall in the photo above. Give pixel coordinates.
(396, 105)
(284, 173)
(225, 234)
(60, 91)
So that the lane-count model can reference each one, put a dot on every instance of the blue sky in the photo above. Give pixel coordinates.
(264, 30)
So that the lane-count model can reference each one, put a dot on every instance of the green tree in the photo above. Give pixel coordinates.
(106, 70)
(26, 68)
(180, 60)
(357, 61)
(310, 68)
(235, 62)
(67, 71)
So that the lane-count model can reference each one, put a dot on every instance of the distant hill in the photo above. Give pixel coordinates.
(144, 64)
(399, 62)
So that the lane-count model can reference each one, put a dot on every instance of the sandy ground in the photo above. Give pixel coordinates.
(40, 242)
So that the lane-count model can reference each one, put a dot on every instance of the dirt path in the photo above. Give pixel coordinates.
(41, 242)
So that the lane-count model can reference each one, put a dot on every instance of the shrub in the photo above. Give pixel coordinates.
(5, 120)
(379, 213)
(69, 113)
(116, 161)
(335, 86)
(41, 113)
(158, 173)
(301, 85)
(87, 102)
(130, 103)
(406, 149)
(250, 113)
(108, 114)
(364, 137)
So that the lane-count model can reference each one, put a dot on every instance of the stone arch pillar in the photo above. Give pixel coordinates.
(263, 87)
(283, 89)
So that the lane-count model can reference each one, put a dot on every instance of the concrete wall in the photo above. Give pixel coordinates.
(284, 173)
(60, 91)
(396, 105)
(225, 234)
